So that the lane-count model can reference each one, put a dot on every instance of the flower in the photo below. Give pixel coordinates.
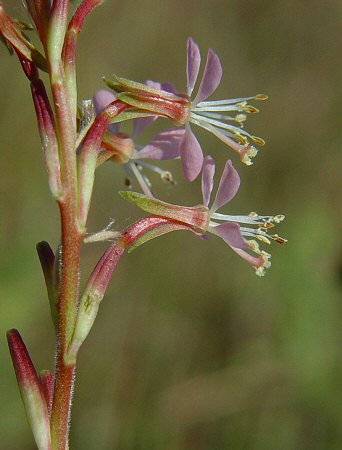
(202, 220)
(211, 115)
(230, 230)
(121, 147)
(161, 99)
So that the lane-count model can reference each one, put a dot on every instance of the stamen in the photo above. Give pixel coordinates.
(151, 167)
(240, 138)
(219, 124)
(237, 107)
(258, 140)
(218, 116)
(251, 109)
(232, 100)
(167, 177)
(248, 153)
(252, 218)
(128, 183)
(142, 180)
(278, 239)
(263, 238)
(261, 97)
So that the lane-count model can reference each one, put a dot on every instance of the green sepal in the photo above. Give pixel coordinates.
(131, 114)
(149, 204)
(194, 216)
(143, 102)
(120, 84)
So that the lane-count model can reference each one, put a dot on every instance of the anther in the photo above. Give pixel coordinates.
(278, 239)
(261, 97)
(258, 140)
(167, 177)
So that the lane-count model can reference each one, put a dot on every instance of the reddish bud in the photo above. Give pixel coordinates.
(30, 390)
(46, 125)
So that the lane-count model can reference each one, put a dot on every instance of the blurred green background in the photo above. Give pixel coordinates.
(190, 349)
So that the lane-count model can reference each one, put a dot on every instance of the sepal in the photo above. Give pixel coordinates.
(156, 101)
(196, 217)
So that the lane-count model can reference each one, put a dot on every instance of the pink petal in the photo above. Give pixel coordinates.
(163, 146)
(230, 233)
(193, 64)
(208, 172)
(102, 99)
(191, 154)
(168, 87)
(228, 187)
(211, 77)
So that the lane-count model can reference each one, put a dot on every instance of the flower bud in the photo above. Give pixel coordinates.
(30, 391)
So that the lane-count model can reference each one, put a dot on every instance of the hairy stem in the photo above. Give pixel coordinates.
(70, 260)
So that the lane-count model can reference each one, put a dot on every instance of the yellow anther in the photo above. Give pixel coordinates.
(250, 109)
(263, 239)
(254, 246)
(267, 225)
(241, 139)
(258, 140)
(261, 97)
(278, 239)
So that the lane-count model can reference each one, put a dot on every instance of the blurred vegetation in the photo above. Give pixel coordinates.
(191, 350)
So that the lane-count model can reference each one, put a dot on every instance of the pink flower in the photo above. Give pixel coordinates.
(122, 147)
(161, 99)
(202, 220)
(230, 230)
(211, 115)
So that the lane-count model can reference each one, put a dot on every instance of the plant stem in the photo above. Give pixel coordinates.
(69, 270)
